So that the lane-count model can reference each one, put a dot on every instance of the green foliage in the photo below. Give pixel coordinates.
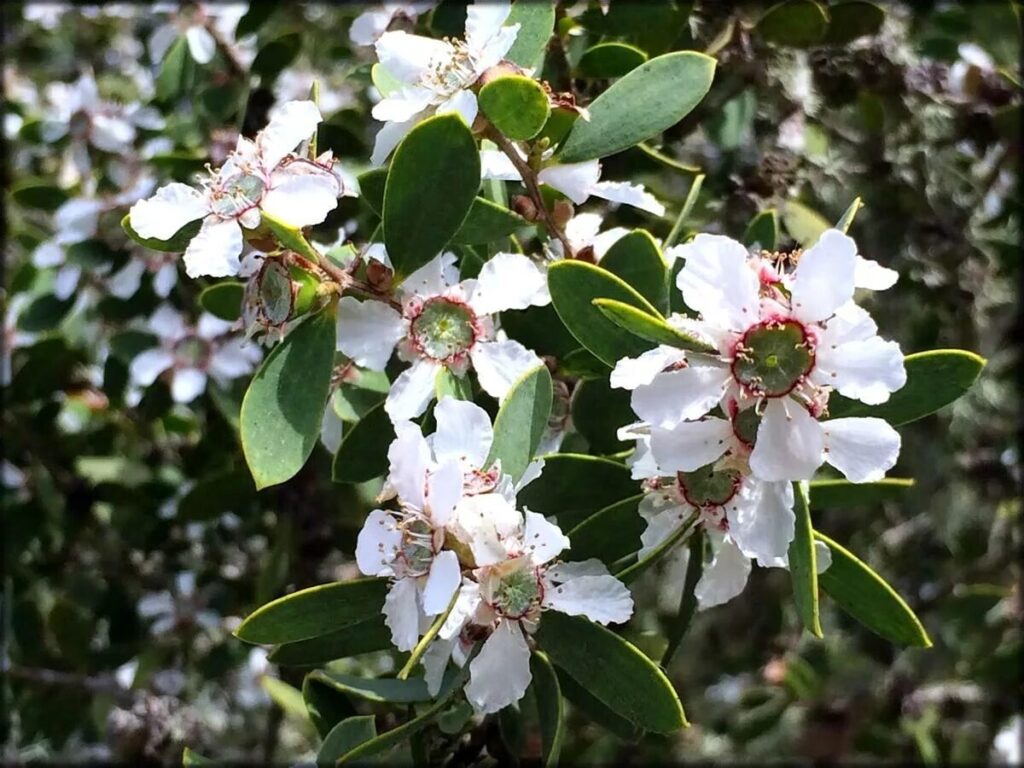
(797, 23)
(223, 300)
(516, 105)
(610, 60)
(521, 422)
(803, 566)
(176, 244)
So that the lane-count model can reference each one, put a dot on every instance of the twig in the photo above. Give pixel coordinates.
(52, 677)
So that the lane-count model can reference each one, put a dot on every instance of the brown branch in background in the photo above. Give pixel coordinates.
(532, 187)
(226, 48)
(52, 677)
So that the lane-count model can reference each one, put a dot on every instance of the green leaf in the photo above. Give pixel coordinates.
(447, 384)
(284, 405)
(573, 286)
(688, 601)
(379, 690)
(796, 23)
(803, 224)
(637, 259)
(539, 329)
(575, 486)
(188, 757)
(276, 56)
(44, 313)
(595, 710)
(346, 736)
(223, 300)
(609, 60)
(648, 327)
(598, 410)
(763, 231)
(314, 612)
(287, 697)
(433, 181)
(521, 421)
(536, 20)
(175, 71)
(550, 707)
(516, 105)
(609, 534)
(848, 215)
(852, 19)
(653, 97)
(934, 379)
(177, 242)
(354, 399)
(363, 454)
(364, 637)
(384, 81)
(325, 706)
(868, 598)
(290, 237)
(841, 494)
(614, 671)
(803, 569)
(38, 193)
(371, 188)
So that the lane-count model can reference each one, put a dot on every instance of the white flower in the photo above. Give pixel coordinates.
(584, 230)
(193, 24)
(437, 76)
(516, 579)
(368, 26)
(193, 354)
(577, 181)
(782, 343)
(444, 323)
(260, 175)
(13, 338)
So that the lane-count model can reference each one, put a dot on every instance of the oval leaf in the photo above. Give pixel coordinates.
(637, 259)
(380, 690)
(867, 597)
(346, 736)
(223, 300)
(363, 454)
(284, 405)
(841, 494)
(614, 671)
(430, 187)
(797, 23)
(536, 20)
(574, 486)
(648, 326)
(516, 105)
(763, 231)
(608, 60)
(650, 99)
(598, 410)
(550, 707)
(521, 422)
(364, 637)
(803, 567)
(610, 534)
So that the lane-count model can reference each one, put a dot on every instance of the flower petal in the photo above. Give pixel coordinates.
(409, 458)
(171, 208)
(509, 281)
(387, 139)
(761, 519)
(444, 490)
(724, 577)
(411, 391)
(495, 164)
(500, 673)
(378, 542)
(402, 105)
(461, 102)
(465, 606)
(302, 195)
(483, 20)
(717, 282)
(868, 370)
(148, 365)
(187, 384)
(628, 194)
(214, 251)
(873, 276)
(368, 331)
(633, 372)
(402, 614)
(464, 432)
(409, 57)
(603, 599)
(444, 578)
(434, 277)
(500, 364)
(291, 124)
(661, 526)
(863, 449)
(790, 444)
(201, 44)
(574, 180)
(691, 444)
(675, 396)
(542, 540)
(823, 280)
(435, 662)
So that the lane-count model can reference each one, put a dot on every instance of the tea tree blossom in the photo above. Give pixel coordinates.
(195, 23)
(443, 323)
(783, 341)
(584, 231)
(260, 175)
(437, 76)
(368, 26)
(192, 354)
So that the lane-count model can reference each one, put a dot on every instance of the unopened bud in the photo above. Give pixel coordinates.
(502, 69)
(379, 275)
(525, 207)
(586, 253)
(561, 212)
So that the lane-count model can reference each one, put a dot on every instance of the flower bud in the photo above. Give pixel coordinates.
(525, 207)
(379, 275)
(561, 212)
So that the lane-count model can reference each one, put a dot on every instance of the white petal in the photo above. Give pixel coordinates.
(76, 220)
(496, 48)
(789, 446)
(483, 522)
(434, 277)
(628, 194)
(863, 449)
(302, 199)
(368, 26)
(435, 662)
(500, 364)
(717, 282)
(160, 41)
(445, 577)
(495, 164)
(387, 139)
(661, 526)
(368, 331)
(165, 279)
(574, 180)
(125, 282)
(850, 323)
(402, 105)
(461, 102)
(408, 57)
(171, 208)
(378, 542)
(561, 572)
(444, 490)
(147, 365)
(822, 557)
(724, 577)
(47, 254)
(483, 20)
(402, 614)
(112, 133)
(211, 326)
(291, 124)
(873, 276)
(823, 280)
(675, 396)
(633, 372)
(464, 432)
(691, 444)
(66, 281)
(542, 540)
(411, 391)
(465, 606)
(500, 673)
(215, 251)
(331, 430)
(603, 599)
(409, 458)
(200, 44)
(761, 519)
(582, 228)
(509, 281)
(187, 384)
(867, 370)
(233, 358)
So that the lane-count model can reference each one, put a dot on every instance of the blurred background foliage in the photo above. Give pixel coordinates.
(134, 541)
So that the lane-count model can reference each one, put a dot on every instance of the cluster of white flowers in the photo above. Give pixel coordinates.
(725, 432)
(457, 550)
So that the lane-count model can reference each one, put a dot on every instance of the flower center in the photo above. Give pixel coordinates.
(444, 329)
(236, 194)
(772, 358)
(517, 593)
(417, 552)
(454, 72)
(191, 352)
(706, 487)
